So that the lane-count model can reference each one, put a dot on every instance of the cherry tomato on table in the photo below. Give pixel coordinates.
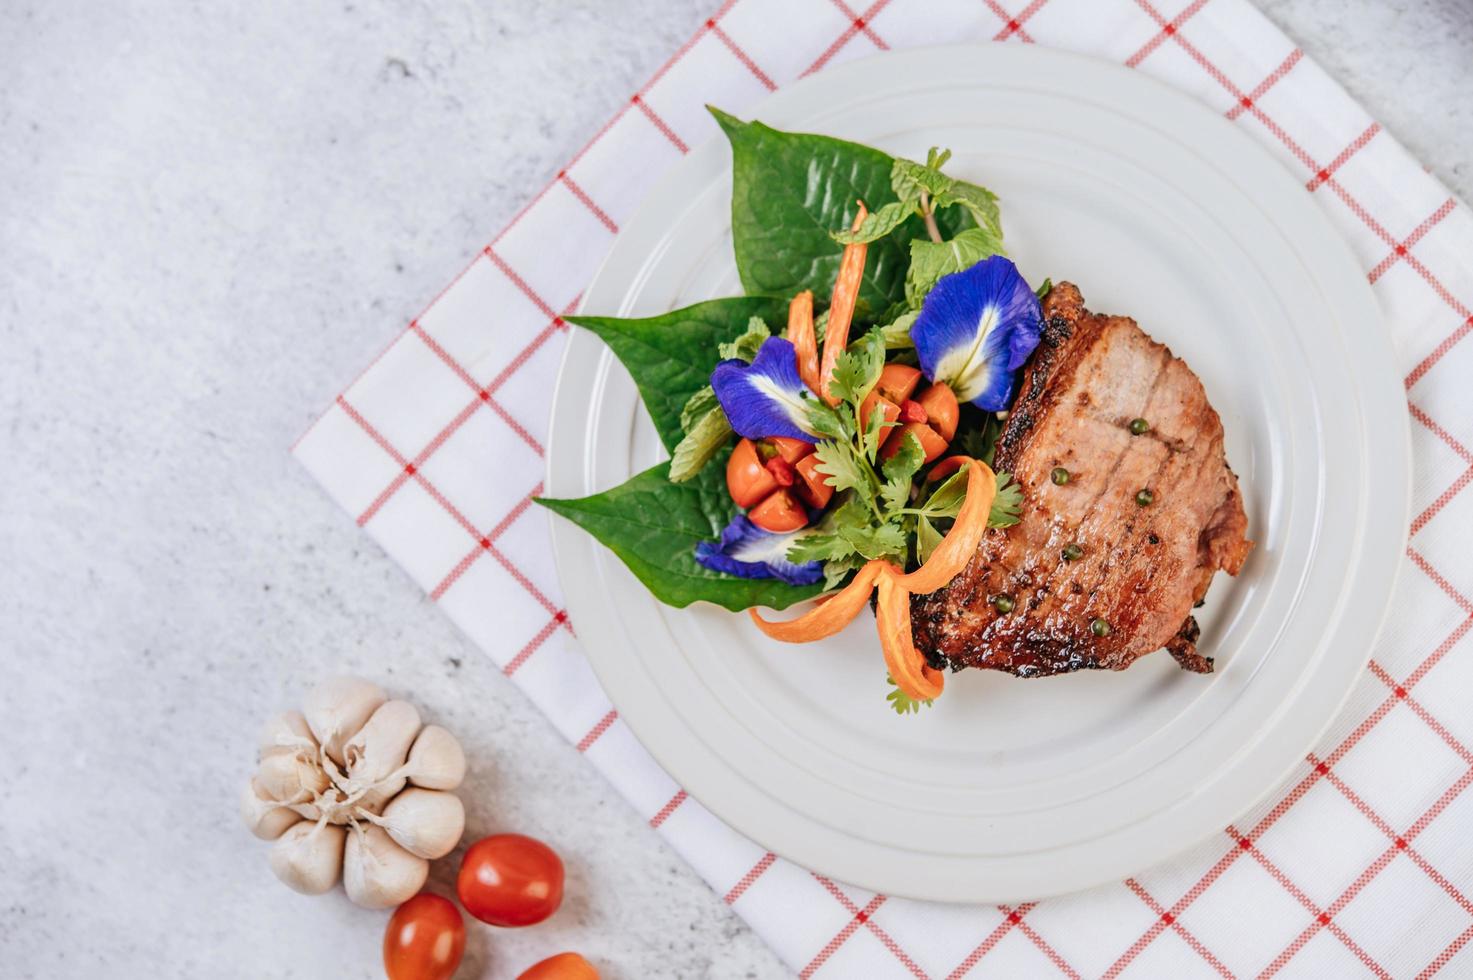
(510, 880)
(563, 966)
(425, 939)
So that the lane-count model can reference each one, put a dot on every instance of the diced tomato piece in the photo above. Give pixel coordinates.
(747, 478)
(898, 381)
(942, 410)
(931, 443)
(912, 411)
(888, 409)
(791, 450)
(782, 471)
(813, 487)
(780, 512)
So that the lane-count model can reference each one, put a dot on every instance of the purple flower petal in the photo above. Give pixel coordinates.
(747, 551)
(976, 329)
(765, 398)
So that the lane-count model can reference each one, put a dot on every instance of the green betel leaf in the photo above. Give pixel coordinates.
(790, 190)
(671, 356)
(653, 526)
(929, 261)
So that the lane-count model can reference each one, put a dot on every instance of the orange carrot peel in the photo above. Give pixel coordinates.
(803, 339)
(908, 668)
(841, 306)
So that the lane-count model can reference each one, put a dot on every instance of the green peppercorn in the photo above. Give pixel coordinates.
(1059, 475)
(1139, 427)
(1072, 552)
(1099, 627)
(1003, 603)
(1144, 498)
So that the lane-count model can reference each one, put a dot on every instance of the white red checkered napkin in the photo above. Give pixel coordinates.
(1360, 864)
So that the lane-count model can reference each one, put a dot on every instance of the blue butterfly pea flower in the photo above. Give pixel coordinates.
(975, 329)
(767, 397)
(748, 551)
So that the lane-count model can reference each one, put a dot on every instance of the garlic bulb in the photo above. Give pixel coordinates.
(378, 873)
(331, 792)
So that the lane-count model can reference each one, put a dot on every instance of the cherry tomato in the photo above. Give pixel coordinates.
(779, 513)
(747, 477)
(931, 443)
(942, 410)
(563, 966)
(510, 880)
(812, 486)
(424, 940)
(897, 382)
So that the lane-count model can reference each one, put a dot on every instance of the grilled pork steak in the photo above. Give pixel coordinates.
(1143, 560)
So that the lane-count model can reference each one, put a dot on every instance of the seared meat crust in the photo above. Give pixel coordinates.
(1143, 568)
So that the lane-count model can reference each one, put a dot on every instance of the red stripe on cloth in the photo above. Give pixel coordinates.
(1167, 919)
(668, 809)
(750, 878)
(1015, 23)
(535, 644)
(741, 55)
(1443, 958)
(1049, 951)
(858, 24)
(1272, 79)
(1354, 147)
(411, 467)
(1441, 433)
(1457, 487)
(1169, 28)
(1010, 919)
(863, 917)
(660, 124)
(520, 283)
(1403, 692)
(483, 544)
(1418, 372)
(1442, 583)
(597, 730)
(832, 946)
(587, 201)
(1400, 250)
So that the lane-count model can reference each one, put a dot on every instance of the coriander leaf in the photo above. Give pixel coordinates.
(844, 469)
(927, 538)
(858, 368)
(875, 431)
(696, 407)
(702, 442)
(876, 541)
(820, 547)
(1044, 288)
(929, 261)
(877, 224)
(745, 347)
(899, 469)
(671, 356)
(653, 526)
(837, 571)
(901, 702)
(789, 190)
(1008, 503)
(827, 421)
(978, 433)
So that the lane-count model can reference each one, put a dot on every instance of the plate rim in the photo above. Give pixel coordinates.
(1337, 258)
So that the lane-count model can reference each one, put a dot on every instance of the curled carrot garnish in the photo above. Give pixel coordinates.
(803, 339)
(908, 669)
(829, 616)
(961, 542)
(841, 306)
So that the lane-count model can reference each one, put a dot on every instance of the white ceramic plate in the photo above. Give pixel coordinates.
(1010, 789)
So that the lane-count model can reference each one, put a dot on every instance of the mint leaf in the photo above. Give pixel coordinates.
(908, 178)
(701, 443)
(897, 334)
(653, 526)
(877, 224)
(929, 261)
(837, 572)
(745, 347)
(979, 202)
(671, 356)
(790, 190)
(696, 407)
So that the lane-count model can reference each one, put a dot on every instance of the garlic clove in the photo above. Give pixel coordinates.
(377, 795)
(268, 819)
(287, 733)
(337, 708)
(309, 857)
(290, 778)
(381, 745)
(425, 822)
(378, 873)
(436, 760)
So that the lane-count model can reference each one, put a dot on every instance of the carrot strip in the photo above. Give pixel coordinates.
(908, 669)
(803, 339)
(961, 542)
(841, 306)
(828, 617)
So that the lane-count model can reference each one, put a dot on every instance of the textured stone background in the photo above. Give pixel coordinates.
(210, 216)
